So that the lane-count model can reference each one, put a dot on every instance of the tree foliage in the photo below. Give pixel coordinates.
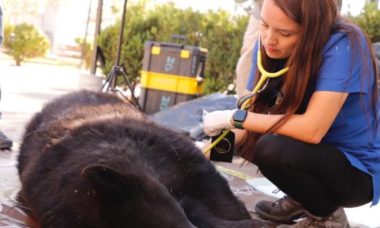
(223, 38)
(25, 41)
(218, 31)
(369, 21)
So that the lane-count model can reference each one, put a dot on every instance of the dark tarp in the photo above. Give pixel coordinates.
(186, 117)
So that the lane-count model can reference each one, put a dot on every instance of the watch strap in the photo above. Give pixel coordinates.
(238, 125)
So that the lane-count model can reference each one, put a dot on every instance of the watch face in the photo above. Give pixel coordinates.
(240, 115)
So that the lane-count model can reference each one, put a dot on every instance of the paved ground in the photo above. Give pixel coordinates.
(24, 91)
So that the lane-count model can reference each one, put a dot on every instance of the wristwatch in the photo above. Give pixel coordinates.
(238, 117)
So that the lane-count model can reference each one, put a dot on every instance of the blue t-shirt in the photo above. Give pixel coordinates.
(353, 129)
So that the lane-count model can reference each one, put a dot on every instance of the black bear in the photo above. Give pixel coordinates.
(91, 160)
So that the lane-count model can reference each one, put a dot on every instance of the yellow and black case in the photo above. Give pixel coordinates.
(172, 73)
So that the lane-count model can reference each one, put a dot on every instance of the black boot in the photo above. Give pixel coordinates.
(5, 142)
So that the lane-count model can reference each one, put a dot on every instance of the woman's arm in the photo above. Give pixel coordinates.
(309, 127)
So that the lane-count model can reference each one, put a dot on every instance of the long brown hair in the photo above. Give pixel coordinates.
(317, 20)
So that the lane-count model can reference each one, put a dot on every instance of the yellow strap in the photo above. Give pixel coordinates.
(170, 83)
(232, 172)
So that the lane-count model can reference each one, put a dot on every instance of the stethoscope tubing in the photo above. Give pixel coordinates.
(265, 76)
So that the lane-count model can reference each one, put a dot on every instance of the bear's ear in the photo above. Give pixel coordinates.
(111, 185)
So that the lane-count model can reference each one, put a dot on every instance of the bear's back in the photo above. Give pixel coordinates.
(83, 130)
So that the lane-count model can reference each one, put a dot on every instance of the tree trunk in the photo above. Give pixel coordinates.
(18, 61)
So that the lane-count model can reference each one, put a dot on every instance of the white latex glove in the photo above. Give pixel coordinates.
(216, 121)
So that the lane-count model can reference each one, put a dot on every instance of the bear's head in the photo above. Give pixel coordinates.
(132, 199)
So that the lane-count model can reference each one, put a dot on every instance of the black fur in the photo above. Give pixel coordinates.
(91, 160)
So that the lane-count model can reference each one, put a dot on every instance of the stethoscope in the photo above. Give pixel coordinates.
(244, 101)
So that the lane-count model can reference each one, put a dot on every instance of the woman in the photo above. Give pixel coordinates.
(314, 131)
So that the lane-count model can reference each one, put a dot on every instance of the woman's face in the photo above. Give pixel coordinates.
(279, 34)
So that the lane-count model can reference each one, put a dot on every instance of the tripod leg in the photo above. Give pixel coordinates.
(110, 84)
(110, 81)
(135, 101)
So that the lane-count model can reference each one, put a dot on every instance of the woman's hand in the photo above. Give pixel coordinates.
(216, 121)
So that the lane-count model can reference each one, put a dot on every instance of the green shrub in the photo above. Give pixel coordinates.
(25, 41)
(222, 36)
(369, 21)
(218, 32)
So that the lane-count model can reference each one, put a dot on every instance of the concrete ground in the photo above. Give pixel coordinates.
(24, 91)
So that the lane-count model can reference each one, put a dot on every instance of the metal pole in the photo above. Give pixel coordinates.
(97, 32)
(84, 44)
(121, 33)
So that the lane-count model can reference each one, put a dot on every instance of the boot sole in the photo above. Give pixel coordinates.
(282, 219)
